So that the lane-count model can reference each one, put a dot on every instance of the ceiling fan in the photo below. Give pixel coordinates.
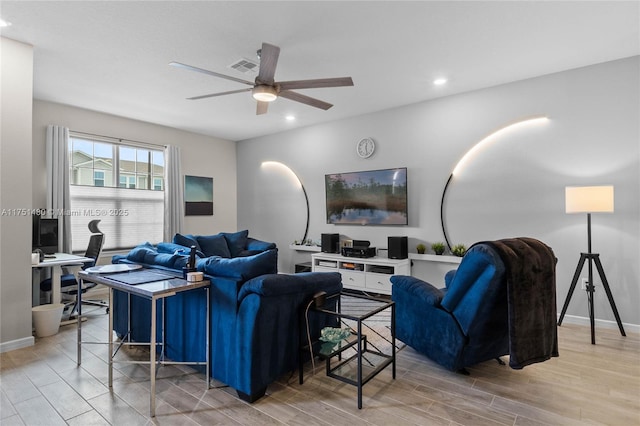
(265, 89)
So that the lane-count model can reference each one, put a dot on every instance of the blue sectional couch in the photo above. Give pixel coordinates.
(256, 320)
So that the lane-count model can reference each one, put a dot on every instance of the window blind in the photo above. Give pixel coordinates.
(128, 217)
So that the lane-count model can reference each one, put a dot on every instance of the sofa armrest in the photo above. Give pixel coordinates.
(421, 290)
(271, 285)
(269, 328)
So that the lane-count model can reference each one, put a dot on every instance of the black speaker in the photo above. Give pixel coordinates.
(330, 243)
(398, 248)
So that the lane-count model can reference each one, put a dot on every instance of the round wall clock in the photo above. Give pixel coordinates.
(365, 147)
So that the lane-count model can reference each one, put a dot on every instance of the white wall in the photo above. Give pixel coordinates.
(514, 187)
(201, 156)
(16, 86)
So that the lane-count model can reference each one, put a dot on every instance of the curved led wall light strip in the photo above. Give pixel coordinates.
(477, 147)
(297, 179)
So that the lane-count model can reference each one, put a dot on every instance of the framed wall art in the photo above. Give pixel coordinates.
(198, 196)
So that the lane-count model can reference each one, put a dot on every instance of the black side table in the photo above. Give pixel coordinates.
(367, 361)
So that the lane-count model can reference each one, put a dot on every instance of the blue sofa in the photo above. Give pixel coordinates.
(254, 312)
(500, 300)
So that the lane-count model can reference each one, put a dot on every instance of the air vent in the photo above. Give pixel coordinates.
(245, 66)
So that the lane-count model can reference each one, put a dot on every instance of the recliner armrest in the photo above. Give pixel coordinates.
(419, 289)
(449, 276)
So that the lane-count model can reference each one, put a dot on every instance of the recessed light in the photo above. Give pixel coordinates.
(4, 23)
(290, 117)
(439, 81)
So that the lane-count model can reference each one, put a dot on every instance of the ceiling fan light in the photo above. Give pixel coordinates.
(264, 93)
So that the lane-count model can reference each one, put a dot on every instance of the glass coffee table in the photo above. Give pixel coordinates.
(359, 365)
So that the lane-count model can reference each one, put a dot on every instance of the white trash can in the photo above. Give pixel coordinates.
(46, 319)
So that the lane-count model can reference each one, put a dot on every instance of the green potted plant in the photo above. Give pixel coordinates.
(421, 248)
(438, 248)
(459, 250)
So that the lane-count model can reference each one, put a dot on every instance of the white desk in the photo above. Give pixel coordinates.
(56, 263)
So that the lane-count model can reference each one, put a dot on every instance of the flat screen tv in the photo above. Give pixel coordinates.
(45, 234)
(374, 197)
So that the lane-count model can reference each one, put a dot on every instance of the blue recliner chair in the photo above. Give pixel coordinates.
(500, 301)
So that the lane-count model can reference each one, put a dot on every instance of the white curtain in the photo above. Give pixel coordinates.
(58, 182)
(173, 194)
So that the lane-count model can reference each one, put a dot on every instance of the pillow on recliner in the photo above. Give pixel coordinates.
(214, 245)
(237, 241)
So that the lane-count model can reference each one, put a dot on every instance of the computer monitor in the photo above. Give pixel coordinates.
(45, 234)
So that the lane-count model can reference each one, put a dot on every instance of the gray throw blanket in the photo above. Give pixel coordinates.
(531, 291)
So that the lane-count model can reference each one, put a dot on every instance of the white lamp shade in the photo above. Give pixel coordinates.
(588, 199)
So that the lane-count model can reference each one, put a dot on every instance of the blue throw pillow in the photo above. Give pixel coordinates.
(237, 241)
(214, 245)
(245, 253)
(242, 268)
(173, 248)
(258, 245)
(138, 253)
(186, 240)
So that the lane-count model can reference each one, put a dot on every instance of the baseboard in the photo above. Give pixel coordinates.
(572, 319)
(17, 344)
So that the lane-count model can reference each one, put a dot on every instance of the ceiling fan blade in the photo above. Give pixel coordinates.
(315, 83)
(219, 94)
(215, 74)
(305, 99)
(262, 108)
(268, 62)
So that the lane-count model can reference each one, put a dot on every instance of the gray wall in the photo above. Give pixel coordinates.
(513, 187)
(201, 156)
(16, 86)
(23, 144)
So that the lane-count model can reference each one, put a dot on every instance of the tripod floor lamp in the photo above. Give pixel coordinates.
(590, 199)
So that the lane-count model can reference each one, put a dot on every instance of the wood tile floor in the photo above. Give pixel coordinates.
(588, 384)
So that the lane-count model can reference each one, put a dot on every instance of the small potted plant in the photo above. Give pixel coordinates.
(438, 248)
(421, 248)
(459, 250)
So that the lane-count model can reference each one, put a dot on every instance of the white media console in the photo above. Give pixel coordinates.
(367, 274)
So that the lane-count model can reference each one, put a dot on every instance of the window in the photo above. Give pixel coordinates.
(157, 184)
(120, 184)
(98, 178)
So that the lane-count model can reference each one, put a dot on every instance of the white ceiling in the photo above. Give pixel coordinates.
(113, 56)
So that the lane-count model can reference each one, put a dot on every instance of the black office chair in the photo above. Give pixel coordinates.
(68, 283)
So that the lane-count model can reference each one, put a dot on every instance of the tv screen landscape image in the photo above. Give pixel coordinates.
(375, 197)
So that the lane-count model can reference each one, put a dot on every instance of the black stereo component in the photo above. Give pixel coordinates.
(360, 244)
(398, 247)
(359, 252)
(330, 243)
